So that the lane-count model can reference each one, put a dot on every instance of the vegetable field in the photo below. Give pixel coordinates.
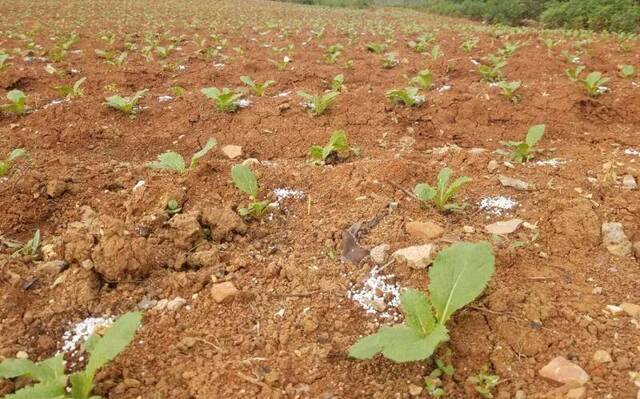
(212, 199)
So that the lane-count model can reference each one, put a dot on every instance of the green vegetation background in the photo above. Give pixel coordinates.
(598, 15)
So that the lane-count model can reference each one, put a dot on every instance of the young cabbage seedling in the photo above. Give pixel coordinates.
(246, 181)
(377, 48)
(172, 207)
(224, 100)
(390, 60)
(17, 104)
(594, 84)
(119, 60)
(318, 104)
(508, 90)
(484, 382)
(337, 83)
(441, 194)
(4, 57)
(408, 96)
(49, 376)
(492, 73)
(524, 150)
(5, 164)
(72, 90)
(423, 80)
(468, 45)
(436, 53)
(258, 88)
(30, 248)
(626, 71)
(459, 274)
(126, 105)
(574, 73)
(330, 153)
(173, 161)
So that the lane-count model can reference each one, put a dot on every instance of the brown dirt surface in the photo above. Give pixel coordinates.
(285, 333)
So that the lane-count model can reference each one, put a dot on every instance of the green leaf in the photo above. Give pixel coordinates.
(418, 311)
(456, 185)
(248, 81)
(210, 92)
(338, 141)
(17, 153)
(424, 192)
(459, 275)
(443, 178)
(16, 96)
(534, 134)
(47, 371)
(114, 340)
(245, 180)
(316, 153)
(49, 390)
(103, 350)
(211, 143)
(400, 343)
(169, 160)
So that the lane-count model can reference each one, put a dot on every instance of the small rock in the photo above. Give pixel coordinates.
(271, 377)
(468, 229)
(52, 267)
(576, 393)
(417, 257)
(631, 309)
(492, 165)
(161, 304)
(513, 183)
(424, 230)
(601, 356)
(615, 240)
(131, 382)
(232, 151)
(415, 390)
(629, 182)
(614, 309)
(55, 188)
(220, 292)
(520, 394)
(636, 250)
(563, 371)
(309, 324)
(251, 163)
(22, 355)
(505, 227)
(379, 254)
(188, 342)
(176, 303)
(477, 151)
(146, 303)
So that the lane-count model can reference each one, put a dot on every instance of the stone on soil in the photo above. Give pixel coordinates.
(614, 238)
(601, 356)
(185, 230)
(222, 291)
(417, 257)
(55, 188)
(563, 371)
(424, 230)
(576, 393)
(379, 253)
(232, 151)
(513, 183)
(505, 227)
(629, 182)
(631, 309)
